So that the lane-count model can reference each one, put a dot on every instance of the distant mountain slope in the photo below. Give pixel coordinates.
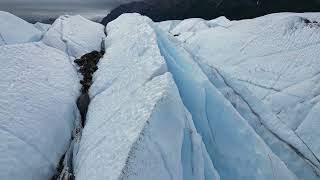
(159, 10)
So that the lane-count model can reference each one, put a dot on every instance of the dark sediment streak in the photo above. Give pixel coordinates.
(87, 66)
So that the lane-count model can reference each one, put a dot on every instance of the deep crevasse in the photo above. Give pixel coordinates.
(228, 137)
(234, 148)
(268, 69)
(39, 89)
(157, 111)
(137, 126)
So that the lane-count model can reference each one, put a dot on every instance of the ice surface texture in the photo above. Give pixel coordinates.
(37, 110)
(75, 35)
(14, 30)
(228, 137)
(42, 27)
(136, 114)
(270, 68)
(178, 100)
(39, 89)
(232, 146)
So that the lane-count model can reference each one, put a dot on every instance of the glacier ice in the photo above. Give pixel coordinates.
(38, 94)
(182, 100)
(133, 103)
(220, 21)
(42, 27)
(75, 35)
(270, 65)
(193, 24)
(227, 136)
(279, 138)
(309, 130)
(14, 30)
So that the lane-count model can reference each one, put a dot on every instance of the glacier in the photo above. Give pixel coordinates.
(137, 115)
(75, 35)
(275, 66)
(180, 100)
(214, 118)
(11, 32)
(42, 26)
(35, 128)
(39, 90)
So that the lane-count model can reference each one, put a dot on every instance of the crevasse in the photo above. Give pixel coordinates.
(227, 136)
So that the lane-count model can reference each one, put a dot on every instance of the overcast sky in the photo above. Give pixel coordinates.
(66, 1)
(37, 10)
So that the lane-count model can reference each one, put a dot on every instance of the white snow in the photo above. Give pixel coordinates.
(14, 30)
(75, 35)
(37, 110)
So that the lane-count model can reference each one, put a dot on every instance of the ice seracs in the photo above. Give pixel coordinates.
(270, 62)
(75, 35)
(14, 30)
(42, 26)
(175, 100)
(137, 116)
(37, 110)
(146, 53)
(227, 136)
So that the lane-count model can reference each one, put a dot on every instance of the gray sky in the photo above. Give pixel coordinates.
(38, 10)
(64, 1)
